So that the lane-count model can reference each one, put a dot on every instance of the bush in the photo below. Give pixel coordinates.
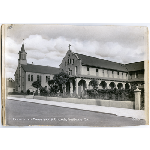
(28, 91)
(43, 92)
(112, 94)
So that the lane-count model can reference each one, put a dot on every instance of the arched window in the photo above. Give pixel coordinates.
(38, 78)
(31, 77)
(72, 61)
(28, 77)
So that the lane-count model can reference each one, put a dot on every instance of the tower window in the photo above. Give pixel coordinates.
(72, 61)
(76, 70)
(87, 68)
(96, 70)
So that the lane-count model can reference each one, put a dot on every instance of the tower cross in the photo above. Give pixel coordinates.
(69, 46)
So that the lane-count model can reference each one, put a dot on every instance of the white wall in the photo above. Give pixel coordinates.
(43, 79)
(84, 70)
(92, 71)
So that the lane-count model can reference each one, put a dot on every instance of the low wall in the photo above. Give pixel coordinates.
(18, 96)
(98, 102)
(22, 96)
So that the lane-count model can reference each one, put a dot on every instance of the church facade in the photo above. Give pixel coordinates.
(26, 73)
(81, 69)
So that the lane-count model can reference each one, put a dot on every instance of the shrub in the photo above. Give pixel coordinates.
(28, 91)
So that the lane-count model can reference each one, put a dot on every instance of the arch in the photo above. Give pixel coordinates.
(68, 87)
(94, 82)
(103, 84)
(127, 86)
(112, 85)
(120, 85)
(89, 85)
(81, 86)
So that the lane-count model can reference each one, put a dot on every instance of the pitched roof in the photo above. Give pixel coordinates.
(101, 63)
(135, 66)
(40, 69)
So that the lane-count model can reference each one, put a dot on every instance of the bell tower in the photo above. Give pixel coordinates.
(19, 75)
(22, 56)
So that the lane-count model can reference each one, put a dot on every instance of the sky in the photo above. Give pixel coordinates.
(47, 44)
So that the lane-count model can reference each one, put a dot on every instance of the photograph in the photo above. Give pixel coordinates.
(74, 75)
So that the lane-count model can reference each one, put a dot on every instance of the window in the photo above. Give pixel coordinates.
(87, 68)
(70, 72)
(118, 73)
(131, 75)
(68, 61)
(96, 70)
(76, 70)
(72, 61)
(136, 74)
(47, 78)
(37, 77)
(103, 72)
(29, 77)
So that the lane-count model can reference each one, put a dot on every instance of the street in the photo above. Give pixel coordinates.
(24, 113)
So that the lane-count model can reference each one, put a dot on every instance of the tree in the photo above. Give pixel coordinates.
(61, 79)
(51, 82)
(54, 87)
(36, 84)
(94, 83)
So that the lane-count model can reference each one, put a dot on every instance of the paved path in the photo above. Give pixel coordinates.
(137, 114)
(22, 113)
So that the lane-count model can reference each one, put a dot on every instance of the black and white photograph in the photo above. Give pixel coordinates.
(74, 75)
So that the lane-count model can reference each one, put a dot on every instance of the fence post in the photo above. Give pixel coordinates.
(137, 93)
